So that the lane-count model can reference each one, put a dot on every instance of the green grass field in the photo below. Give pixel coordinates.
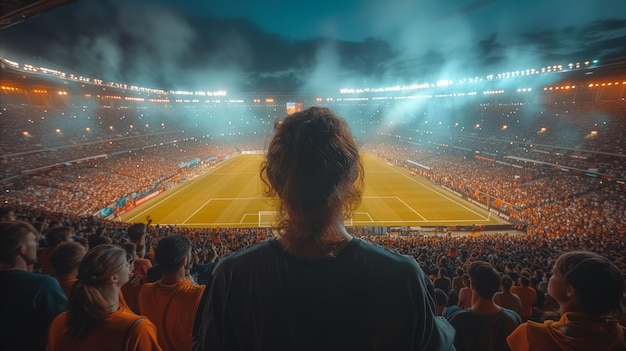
(230, 195)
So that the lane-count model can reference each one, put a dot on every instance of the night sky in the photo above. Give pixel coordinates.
(310, 45)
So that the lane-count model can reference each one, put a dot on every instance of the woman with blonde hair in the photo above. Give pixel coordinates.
(588, 288)
(315, 287)
(94, 319)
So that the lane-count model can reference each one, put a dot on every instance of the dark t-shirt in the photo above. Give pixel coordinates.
(483, 332)
(366, 298)
(28, 304)
(443, 284)
(202, 272)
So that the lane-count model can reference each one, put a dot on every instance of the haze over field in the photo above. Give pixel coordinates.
(313, 45)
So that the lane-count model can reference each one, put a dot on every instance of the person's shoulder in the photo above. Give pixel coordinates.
(18, 274)
(385, 259)
(246, 256)
(253, 250)
(383, 253)
(135, 324)
(142, 322)
(532, 328)
(123, 315)
(518, 290)
(148, 286)
(60, 318)
(512, 315)
(519, 336)
(459, 316)
(58, 324)
(460, 313)
(189, 287)
(452, 311)
(46, 278)
(34, 280)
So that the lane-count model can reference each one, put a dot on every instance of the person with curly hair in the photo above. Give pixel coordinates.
(316, 287)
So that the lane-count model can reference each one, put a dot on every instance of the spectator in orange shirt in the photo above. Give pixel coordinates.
(506, 298)
(139, 277)
(95, 319)
(171, 302)
(65, 261)
(527, 295)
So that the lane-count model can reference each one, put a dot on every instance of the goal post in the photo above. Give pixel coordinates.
(267, 218)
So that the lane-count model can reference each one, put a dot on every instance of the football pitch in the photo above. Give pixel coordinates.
(230, 194)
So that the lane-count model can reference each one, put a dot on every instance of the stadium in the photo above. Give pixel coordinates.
(149, 145)
(513, 167)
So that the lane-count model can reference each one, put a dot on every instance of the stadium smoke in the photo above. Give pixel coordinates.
(155, 45)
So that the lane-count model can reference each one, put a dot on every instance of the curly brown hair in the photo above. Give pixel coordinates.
(313, 166)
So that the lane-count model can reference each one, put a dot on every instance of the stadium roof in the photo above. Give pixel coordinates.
(15, 11)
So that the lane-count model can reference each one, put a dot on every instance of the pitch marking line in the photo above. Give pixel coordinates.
(221, 199)
(183, 187)
(443, 195)
(242, 221)
(426, 221)
(211, 224)
(224, 224)
(198, 210)
(235, 173)
(365, 213)
(244, 217)
(399, 199)
(238, 198)
(411, 208)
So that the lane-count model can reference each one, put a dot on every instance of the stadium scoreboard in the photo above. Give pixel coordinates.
(293, 107)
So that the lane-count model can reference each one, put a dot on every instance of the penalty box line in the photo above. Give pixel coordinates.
(424, 219)
(213, 199)
(401, 201)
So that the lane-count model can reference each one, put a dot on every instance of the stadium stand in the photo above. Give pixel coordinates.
(557, 169)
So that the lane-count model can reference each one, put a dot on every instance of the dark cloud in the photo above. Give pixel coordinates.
(600, 27)
(465, 9)
(167, 48)
(157, 45)
(490, 51)
(543, 42)
(602, 38)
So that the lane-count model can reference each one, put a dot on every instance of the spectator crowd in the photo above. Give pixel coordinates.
(80, 255)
